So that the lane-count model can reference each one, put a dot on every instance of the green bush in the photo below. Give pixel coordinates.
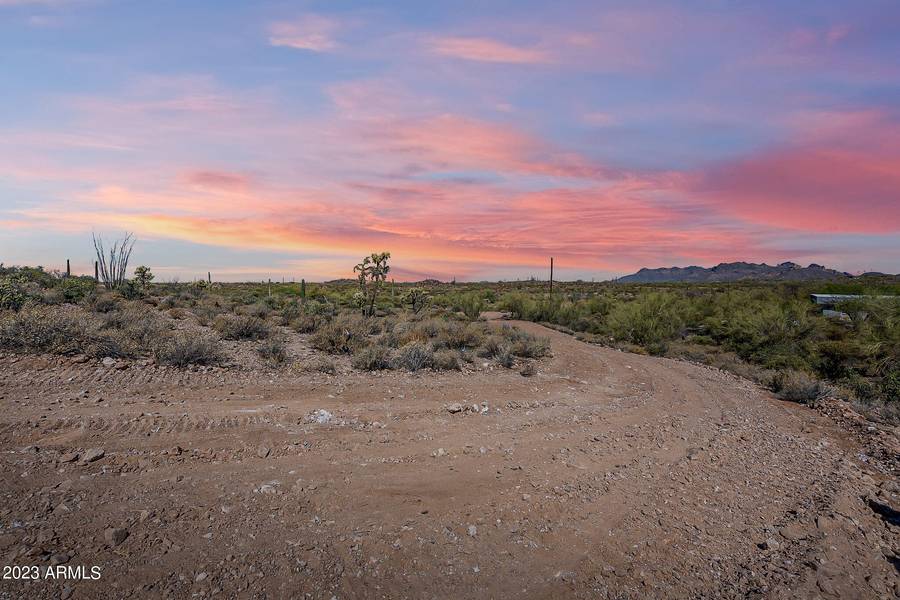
(650, 320)
(12, 293)
(471, 304)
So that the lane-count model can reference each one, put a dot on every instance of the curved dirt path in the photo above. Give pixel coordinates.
(605, 475)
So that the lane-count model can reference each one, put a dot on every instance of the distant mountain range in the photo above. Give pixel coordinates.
(735, 271)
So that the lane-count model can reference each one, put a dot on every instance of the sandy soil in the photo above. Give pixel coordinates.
(605, 475)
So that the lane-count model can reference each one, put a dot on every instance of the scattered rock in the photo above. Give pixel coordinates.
(792, 532)
(473, 531)
(69, 457)
(454, 408)
(92, 455)
(770, 544)
(263, 451)
(321, 416)
(115, 535)
(200, 577)
(108, 361)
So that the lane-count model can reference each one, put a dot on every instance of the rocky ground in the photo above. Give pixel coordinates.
(604, 475)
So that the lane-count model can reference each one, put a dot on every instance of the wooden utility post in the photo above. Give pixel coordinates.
(96, 272)
(551, 277)
(209, 277)
(68, 268)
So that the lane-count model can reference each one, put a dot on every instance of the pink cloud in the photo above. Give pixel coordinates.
(310, 32)
(840, 176)
(448, 142)
(485, 50)
(223, 181)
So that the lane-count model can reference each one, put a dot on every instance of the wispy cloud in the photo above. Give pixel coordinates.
(309, 32)
(482, 49)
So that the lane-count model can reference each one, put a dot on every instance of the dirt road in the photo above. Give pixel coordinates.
(605, 475)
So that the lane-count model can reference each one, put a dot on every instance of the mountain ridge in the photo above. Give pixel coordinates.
(734, 271)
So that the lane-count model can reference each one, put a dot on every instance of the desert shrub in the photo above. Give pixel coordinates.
(521, 343)
(305, 323)
(105, 303)
(798, 387)
(260, 310)
(138, 325)
(178, 313)
(290, 313)
(241, 327)
(457, 335)
(12, 293)
(471, 304)
(650, 320)
(322, 365)
(492, 346)
(181, 348)
(343, 335)
(50, 296)
(76, 289)
(445, 360)
(776, 336)
(273, 350)
(504, 357)
(413, 356)
(57, 330)
(372, 358)
(531, 347)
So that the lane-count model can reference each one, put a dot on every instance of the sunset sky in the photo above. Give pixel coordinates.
(470, 139)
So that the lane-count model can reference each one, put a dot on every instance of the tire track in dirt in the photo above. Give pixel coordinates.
(606, 475)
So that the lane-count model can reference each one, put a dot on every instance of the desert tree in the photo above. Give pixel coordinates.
(143, 276)
(372, 272)
(113, 265)
(417, 299)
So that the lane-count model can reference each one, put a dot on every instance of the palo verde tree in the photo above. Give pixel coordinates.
(113, 266)
(143, 276)
(372, 272)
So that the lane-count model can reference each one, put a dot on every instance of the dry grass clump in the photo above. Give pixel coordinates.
(258, 310)
(306, 323)
(60, 330)
(345, 334)
(241, 327)
(273, 350)
(414, 356)
(321, 364)
(372, 358)
(180, 349)
(445, 360)
(797, 386)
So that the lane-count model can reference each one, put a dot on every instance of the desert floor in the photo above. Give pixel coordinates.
(604, 475)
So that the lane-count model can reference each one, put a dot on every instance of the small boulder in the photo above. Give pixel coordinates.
(69, 457)
(115, 535)
(92, 455)
(454, 408)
